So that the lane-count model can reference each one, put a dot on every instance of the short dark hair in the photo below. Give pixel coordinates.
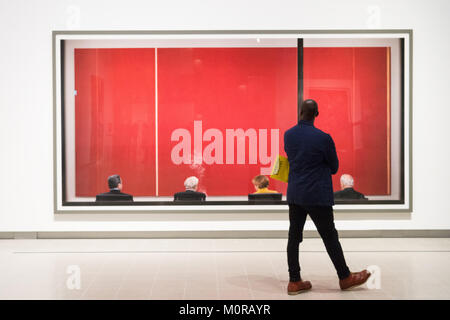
(309, 110)
(113, 181)
(261, 181)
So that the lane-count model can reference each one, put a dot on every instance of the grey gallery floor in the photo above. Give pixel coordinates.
(216, 269)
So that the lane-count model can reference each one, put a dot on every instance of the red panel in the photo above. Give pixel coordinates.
(223, 88)
(114, 119)
(351, 87)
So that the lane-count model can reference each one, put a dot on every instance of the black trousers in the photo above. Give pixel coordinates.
(322, 216)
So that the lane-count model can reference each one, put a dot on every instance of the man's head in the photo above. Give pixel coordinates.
(191, 183)
(309, 110)
(115, 182)
(346, 181)
(260, 182)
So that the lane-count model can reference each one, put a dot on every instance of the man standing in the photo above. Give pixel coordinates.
(312, 160)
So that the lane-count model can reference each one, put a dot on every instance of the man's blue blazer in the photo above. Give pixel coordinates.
(312, 160)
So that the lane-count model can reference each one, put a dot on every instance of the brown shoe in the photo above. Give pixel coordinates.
(354, 279)
(298, 287)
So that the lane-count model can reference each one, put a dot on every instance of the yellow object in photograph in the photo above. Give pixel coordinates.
(280, 170)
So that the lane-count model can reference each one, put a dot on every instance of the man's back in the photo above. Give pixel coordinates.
(189, 195)
(114, 195)
(348, 193)
(312, 160)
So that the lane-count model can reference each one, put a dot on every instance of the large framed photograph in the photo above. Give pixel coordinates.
(152, 109)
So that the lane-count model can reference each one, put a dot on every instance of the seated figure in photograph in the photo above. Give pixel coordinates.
(347, 191)
(261, 184)
(115, 193)
(191, 193)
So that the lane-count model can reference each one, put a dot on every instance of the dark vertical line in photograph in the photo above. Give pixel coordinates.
(63, 129)
(299, 76)
(402, 122)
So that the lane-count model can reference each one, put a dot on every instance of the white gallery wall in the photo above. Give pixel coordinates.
(26, 124)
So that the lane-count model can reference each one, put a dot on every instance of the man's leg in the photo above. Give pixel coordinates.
(297, 218)
(323, 219)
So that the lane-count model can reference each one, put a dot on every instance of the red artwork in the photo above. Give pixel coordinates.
(221, 115)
